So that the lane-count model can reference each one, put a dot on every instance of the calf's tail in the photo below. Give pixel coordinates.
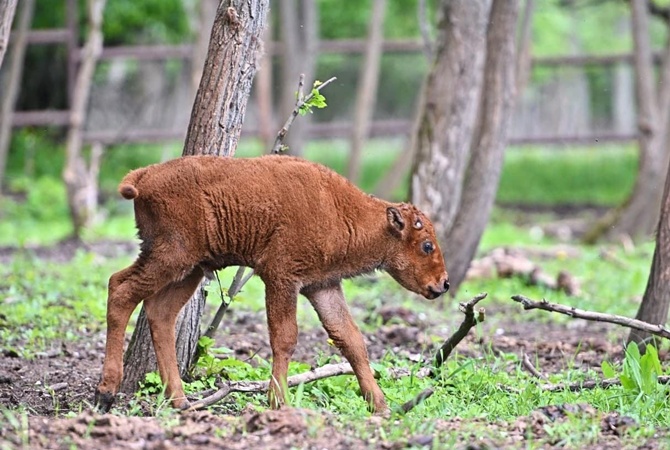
(127, 188)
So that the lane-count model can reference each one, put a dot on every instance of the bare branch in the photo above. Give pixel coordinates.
(658, 330)
(469, 322)
(329, 370)
(276, 148)
(593, 384)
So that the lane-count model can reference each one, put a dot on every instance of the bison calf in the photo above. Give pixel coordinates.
(302, 227)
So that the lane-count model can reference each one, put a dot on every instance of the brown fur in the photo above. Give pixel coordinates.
(302, 227)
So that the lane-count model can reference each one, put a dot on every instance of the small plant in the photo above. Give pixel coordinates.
(640, 372)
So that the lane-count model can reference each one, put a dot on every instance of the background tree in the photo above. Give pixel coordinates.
(656, 299)
(447, 120)
(638, 216)
(461, 139)
(7, 9)
(488, 147)
(214, 129)
(367, 88)
(80, 177)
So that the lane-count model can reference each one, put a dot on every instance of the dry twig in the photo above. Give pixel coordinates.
(593, 384)
(658, 330)
(468, 308)
(329, 370)
(470, 321)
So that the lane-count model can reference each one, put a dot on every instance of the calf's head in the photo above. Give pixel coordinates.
(416, 261)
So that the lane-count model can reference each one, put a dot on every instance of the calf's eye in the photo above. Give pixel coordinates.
(427, 247)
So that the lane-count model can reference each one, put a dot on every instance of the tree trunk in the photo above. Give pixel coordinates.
(7, 9)
(15, 69)
(451, 99)
(638, 216)
(299, 35)
(81, 189)
(214, 129)
(367, 88)
(485, 165)
(654, 307)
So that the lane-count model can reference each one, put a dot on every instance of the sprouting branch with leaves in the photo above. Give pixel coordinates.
(303, 105)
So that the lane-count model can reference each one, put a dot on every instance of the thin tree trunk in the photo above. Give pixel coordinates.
(214, 129)
(654, 307)
(7, 10)
(81, 190)
(299, 35)
(450, 102)
(638, 216)
(367, 88)
(523, 56)
(15, 69)
(485, 165)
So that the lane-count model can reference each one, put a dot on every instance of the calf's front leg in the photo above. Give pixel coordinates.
(333, 312)
(280, 303)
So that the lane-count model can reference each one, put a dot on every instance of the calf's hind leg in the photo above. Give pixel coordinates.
(126, 289)
(162, 310)
(334, 314)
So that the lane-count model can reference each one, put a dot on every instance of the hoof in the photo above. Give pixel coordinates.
(183, 406)
(103, 401)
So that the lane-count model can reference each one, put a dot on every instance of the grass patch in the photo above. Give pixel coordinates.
(552, 176)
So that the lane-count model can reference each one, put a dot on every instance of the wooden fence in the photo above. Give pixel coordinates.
(68, 36)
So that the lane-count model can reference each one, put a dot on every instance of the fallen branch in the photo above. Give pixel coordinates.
(276, 148)
(593, 384)
(470, 321)
(329, 370)
(658, 330)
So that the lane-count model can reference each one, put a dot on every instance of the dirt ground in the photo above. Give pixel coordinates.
(55, 383)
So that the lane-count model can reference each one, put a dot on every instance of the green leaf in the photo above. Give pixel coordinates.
(608, 370)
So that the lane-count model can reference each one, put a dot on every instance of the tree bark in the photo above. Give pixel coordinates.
(656, 299)
(367, 88)
(82, 190)
(483, 172)
(214, 129)
(15, 70)
(450, 103)
(7, 10)
(299, 35)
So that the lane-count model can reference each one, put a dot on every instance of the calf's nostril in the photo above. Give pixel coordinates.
(446, 285)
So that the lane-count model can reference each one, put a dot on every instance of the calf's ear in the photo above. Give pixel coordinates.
(395, 219)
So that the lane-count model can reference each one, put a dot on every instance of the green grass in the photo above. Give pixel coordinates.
(601, 175)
